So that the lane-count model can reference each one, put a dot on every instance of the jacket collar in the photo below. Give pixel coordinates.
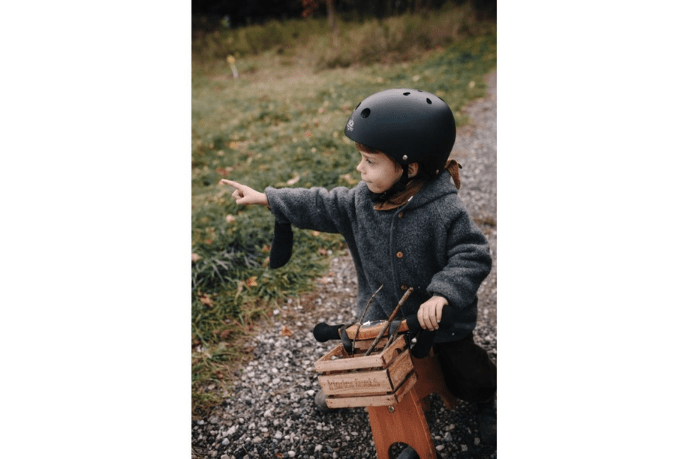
(434, 189)
(423, 191)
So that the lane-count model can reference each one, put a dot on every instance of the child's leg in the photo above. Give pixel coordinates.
(470, 375)
(468, 370)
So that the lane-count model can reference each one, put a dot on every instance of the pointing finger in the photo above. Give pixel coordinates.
(231, 183)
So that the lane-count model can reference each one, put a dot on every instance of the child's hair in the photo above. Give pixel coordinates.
(423, 172)
(370, 150)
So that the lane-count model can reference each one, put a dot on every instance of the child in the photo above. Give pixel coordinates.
(405, 226)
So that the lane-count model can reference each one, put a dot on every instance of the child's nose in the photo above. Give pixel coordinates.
(358, 167)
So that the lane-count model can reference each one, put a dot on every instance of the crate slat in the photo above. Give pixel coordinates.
(367, 382)
(345, 363)
(373, 400)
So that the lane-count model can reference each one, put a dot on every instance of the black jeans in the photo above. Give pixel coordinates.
(468, 371)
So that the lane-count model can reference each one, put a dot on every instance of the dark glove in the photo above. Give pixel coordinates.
(282, 243)
(424, 338)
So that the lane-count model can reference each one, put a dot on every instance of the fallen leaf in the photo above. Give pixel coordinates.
(286, 332)
(251, 282)
(205, 299)
(195, 257)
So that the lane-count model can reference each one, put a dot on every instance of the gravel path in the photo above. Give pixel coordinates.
(270, 412)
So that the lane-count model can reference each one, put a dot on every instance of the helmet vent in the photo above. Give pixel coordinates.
(428, 101)
(407, 93)
(365, 113)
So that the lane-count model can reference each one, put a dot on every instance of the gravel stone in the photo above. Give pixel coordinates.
(269, 410)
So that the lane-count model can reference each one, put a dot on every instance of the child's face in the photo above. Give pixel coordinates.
(379, 171)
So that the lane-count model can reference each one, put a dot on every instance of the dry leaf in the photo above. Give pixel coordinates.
(195, 257)
(251, 281)
(205, 299)
(286, 332)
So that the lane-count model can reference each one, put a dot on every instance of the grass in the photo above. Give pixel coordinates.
(281, 124)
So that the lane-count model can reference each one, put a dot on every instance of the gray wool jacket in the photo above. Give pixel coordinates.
(430, 244)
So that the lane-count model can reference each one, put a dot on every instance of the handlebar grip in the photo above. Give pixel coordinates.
(323, 332)
(412, 323)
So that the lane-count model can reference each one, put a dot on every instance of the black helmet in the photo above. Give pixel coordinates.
(410, 125)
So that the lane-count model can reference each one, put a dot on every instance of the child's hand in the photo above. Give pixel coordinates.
(245, 195)
(430, 312)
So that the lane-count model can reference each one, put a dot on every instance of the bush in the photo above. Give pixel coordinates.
(402, 37)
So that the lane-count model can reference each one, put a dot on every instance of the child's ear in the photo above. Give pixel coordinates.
(412, 169)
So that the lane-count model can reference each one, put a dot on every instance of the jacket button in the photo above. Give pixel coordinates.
(401, 214)
(400, 254)
(404, 287)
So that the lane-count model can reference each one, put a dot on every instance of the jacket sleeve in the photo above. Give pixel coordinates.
(468, 263)
(313, 208)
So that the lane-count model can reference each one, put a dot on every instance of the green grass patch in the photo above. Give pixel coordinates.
(280, 125)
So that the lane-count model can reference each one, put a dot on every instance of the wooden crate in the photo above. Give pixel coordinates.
(379, 379)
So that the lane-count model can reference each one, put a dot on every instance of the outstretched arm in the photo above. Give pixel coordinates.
(245, 195)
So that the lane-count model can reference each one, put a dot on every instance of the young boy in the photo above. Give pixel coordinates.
(405, 226)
